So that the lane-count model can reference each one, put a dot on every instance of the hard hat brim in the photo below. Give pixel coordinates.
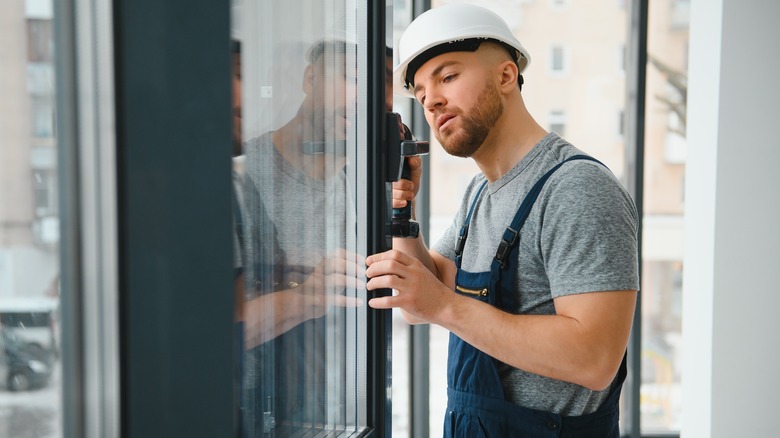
(399, 73)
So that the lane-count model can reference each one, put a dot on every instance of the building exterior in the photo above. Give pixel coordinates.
(575, 85)
(29, 228)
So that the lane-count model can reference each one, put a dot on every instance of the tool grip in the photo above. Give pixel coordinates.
(404, 212)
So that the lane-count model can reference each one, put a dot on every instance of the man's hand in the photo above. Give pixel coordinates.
(421, 296)
(405, 190)
(272, 314)
(324, 286)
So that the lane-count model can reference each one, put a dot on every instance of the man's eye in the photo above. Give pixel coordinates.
(448, 78)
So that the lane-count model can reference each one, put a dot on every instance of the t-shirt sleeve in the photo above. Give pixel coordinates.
(446, 243)
(589, 232)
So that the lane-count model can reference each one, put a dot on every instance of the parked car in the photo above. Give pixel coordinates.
(34, 321)
(20, 368)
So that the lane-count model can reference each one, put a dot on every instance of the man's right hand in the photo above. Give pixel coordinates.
(405, 190)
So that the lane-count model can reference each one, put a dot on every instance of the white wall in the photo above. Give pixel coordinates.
(731, 371)
(26, 271)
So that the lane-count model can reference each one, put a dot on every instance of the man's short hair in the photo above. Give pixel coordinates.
(331, 47)
(466, 45)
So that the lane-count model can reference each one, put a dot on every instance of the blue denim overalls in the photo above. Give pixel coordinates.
(476, 406)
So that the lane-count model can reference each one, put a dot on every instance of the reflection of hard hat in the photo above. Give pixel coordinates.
(328, 47)
(451, 28)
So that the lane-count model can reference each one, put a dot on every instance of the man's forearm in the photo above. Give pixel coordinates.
(417, 249)
(271, 315)
(582, 346)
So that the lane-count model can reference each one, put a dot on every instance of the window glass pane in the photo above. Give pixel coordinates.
(42, 118)
(557, 122)
(663, 233)
(301, 73)
(583, 107)
(557, 59)
(401, 15)
(30, 398)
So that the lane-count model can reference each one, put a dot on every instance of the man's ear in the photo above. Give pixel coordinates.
(509, 75)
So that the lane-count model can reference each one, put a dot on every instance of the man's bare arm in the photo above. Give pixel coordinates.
(583, 343)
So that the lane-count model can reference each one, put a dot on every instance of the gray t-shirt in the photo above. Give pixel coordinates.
(238, 221)
(294, 222)
(309, 216)
(580, 236)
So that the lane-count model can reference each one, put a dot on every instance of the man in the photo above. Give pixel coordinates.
(537, 276)
(300, 219)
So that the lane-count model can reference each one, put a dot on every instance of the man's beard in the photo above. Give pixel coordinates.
(475, 127)
(328, 124)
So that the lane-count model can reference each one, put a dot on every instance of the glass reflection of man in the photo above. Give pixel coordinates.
(300, 218)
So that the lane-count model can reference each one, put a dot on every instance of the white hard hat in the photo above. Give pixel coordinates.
(450, 28)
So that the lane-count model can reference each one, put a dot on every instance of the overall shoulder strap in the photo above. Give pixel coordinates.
(509, 238)
(464, 230)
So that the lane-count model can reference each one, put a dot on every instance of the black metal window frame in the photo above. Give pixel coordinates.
(379, 322)
(171, 107)
(144, 148)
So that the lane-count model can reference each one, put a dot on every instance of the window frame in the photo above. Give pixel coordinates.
(558, 53)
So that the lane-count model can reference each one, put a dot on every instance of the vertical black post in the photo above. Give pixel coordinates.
(173, 93)
(379, 321)
(635, 152)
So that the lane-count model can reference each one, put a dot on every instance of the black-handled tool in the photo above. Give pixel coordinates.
(401, 224)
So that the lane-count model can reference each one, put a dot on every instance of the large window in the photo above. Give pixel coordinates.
(301, 113)
(664, 169)
(583, 45)
(30, 366)
(581, 109)
(301, 179)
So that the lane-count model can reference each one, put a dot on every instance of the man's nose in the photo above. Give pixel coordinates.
(434, 99)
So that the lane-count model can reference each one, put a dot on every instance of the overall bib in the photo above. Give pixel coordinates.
(476, 406)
